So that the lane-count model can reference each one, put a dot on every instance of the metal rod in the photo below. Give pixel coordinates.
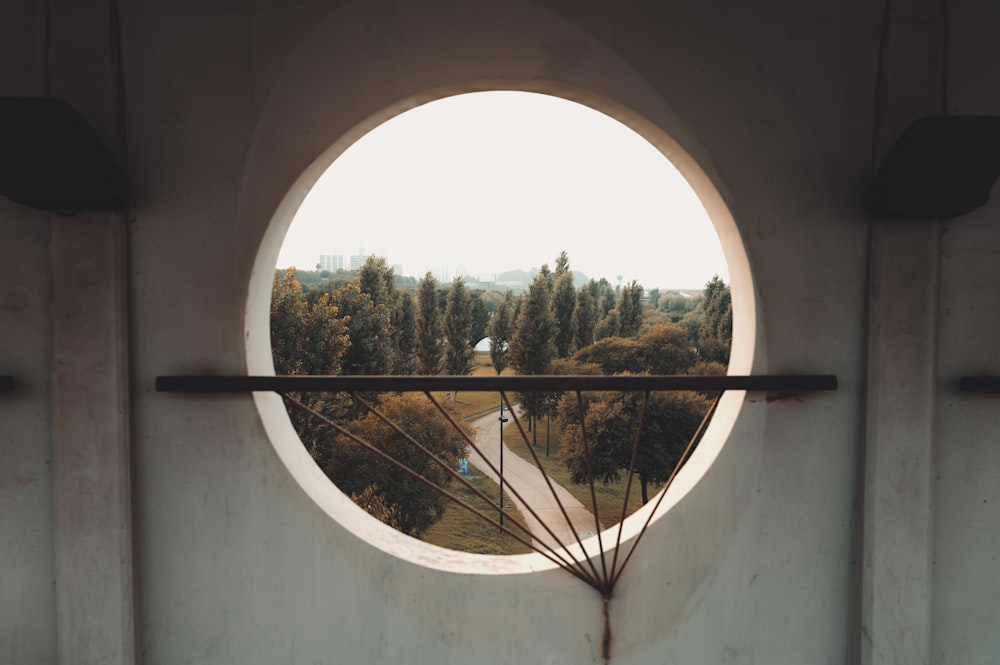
(787, 383)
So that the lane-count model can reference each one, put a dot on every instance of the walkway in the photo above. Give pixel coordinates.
(529, 482)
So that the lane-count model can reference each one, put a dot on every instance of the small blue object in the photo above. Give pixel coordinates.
(463, 467)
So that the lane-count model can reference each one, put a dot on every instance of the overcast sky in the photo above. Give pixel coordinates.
(486, 182)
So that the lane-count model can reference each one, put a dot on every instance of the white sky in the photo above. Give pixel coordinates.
(486, 182)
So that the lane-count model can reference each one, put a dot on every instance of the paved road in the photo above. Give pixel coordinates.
(529, 482)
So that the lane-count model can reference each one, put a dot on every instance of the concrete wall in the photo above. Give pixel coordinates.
(220, 542)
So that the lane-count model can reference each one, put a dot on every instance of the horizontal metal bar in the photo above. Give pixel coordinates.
(790, 383)
(980, 384)
(6, 382)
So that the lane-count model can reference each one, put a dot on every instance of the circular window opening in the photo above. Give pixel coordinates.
(503, 233)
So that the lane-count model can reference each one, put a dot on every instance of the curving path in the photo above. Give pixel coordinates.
(528, 481)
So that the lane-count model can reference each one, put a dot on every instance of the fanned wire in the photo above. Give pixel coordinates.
(599, 582)
(593, 581)
(663, 492)
(385, 456)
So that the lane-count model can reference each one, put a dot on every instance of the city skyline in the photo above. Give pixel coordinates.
(488, 182)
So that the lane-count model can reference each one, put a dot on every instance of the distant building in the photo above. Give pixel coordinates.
(357, 261)
(331, 262)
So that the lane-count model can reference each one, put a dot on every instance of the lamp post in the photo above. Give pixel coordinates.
(502, 421)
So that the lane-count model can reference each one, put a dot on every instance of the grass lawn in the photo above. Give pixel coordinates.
(458, 529)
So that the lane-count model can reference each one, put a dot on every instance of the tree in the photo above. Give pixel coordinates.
(532, 347)
(459, 354)
(611, 419)
(500, 329)
(376, 279)
(404, 333)
(564, 309)
(288, 311)
(375, 503)
(716, 333)
(667, 349)
(562, 263)
(480, 317)
(608, 326)
(368, 325)
(630, 310)
(586, 317)
(354, 468)
(663, 349)
(308, 340)
(429, 326)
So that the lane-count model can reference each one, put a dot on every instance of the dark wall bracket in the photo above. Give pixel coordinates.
(940, 168)
(52, 159)
(980, 384)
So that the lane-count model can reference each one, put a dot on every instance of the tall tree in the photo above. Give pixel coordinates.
(586, 318)
(480, 317)
(608, 326)
(562, 263)
(716, 334)
(368, 325)
(404, 333)
(500, 329)
(429, 326)
(376, 278)
(563, 309)
(630, 309)
(288, 311)
(532, 346)
(459, 354)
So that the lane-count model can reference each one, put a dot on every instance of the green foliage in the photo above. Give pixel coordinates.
(368, 325)
(605, 447)
(663, 349)
(609, 325)
(564, 310)
(404, 334)
(586, 317)
(375, 503)
(532, 348)
(676, 305)
(429, 327)
(459, 354)
(354, 467)
(376, 279)
(288, 311)
(630, 310)
(716, 332)
(480, 317)
(500, 329)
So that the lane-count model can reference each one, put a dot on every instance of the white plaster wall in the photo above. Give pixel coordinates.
(246, 555)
